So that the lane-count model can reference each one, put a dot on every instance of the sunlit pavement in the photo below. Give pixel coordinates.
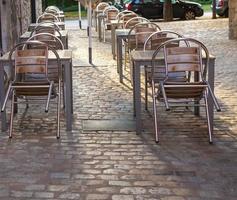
(119, 164)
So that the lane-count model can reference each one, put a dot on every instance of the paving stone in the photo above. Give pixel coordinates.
(118, 164)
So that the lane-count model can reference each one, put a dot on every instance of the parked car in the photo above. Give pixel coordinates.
(153, 9)
(222, 8)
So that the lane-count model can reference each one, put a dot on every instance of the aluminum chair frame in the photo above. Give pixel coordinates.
(24, 65)
(163, 36)
(187, 63)
(52, 18)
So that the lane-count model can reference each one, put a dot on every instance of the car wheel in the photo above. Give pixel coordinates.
(189, 15)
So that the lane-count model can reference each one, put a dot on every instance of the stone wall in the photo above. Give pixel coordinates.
(232, 19)
(15, 19)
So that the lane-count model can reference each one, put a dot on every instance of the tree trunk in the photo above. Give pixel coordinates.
(167, 10)
(213, 9)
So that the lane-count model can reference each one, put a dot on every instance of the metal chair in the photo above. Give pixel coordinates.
(47, 17)
(53, 9)
(152, 43)
(172, 92)
(124, 18)
(28, 62)
(110, 12)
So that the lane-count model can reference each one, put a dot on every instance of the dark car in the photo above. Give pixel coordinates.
(222, 8)
(153, 9)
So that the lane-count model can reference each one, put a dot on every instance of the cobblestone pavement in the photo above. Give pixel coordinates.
(120, 165)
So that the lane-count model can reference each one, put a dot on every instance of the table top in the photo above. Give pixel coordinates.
(144, 56)
(63, 54)
(64, 33)
(58, 23)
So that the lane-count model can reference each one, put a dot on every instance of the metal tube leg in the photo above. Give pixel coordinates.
(146, 91)
(12, 114)
(155, 113)
(58, 111)
(208, 117)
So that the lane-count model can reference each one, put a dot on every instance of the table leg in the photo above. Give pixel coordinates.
(2, 96)
(120, 58)
(113, 27)
(211, 72)
(68, 99)
(99, 27)
(137, 95)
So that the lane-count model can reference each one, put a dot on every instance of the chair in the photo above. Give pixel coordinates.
(53, 9)
(124, 12)
(99, 9)
(110, 12)
(183, 58)
(141, 32)
(53, 41)
(28, 62)
(46, 29)
(47, 17)
(152, 43)
(133, 21)
(48, 24)
(124, 18)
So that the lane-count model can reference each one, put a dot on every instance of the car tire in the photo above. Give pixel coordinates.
(189, 15)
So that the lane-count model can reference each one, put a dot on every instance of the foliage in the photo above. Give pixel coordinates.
(203, 1)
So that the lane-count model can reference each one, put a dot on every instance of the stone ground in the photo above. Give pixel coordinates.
(120, 165)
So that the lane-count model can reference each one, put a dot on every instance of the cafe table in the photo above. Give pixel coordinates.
(100, 19)
(66, 61)
(120, 35)
(33, 25)
(64, 34)
(115, 24)
(144, 58)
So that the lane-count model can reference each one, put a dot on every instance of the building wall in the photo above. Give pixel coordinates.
(233, 19)
(15, 19)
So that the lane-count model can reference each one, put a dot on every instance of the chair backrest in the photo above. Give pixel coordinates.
(110, 12)
(47, 24)
(142, 31)
(47, 17)
(46, 29)
(51, 40)
(159, 37)
(29, 61)
(52, 8)
(185, 57)
(101, 6)
(135, 20)
(124, 12)
(124, 18)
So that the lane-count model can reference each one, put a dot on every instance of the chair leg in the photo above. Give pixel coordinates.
(146, 91)
(214, 98)
(164, 96)
(49, 96)
(58, 112)
(12, 114)
(208, 117)
(6, 98)
(155, 114)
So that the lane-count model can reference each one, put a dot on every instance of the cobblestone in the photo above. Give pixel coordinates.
(120, 165)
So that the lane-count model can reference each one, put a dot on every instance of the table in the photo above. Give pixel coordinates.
(114, 25)
(64, 34)
(33, 25)
(120, 35)
(100, 19)
(143, 58)
(66, 60)
(96, 13)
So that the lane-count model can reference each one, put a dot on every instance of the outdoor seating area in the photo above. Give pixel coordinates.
(148, 113)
